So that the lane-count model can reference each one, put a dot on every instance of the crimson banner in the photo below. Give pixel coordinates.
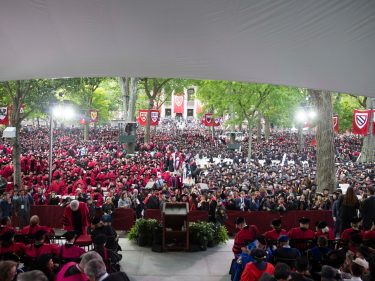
(361, 120)
(208, 121)
(4, 120)
(217, 121)
(94, 116)
(142, 117)
(178, 106)
(335, 121)
(198, 107)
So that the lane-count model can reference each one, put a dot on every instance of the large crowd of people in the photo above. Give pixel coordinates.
(183, 162)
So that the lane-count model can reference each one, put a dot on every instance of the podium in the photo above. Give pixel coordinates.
(175, 226)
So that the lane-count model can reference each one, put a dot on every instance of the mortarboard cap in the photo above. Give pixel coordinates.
(258, 253)
(304, 220)
(283, 238)
(322, 225)
(39, 234)
(240, 220)
(69, 235)
(276, 222)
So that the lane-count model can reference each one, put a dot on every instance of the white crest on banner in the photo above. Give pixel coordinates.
(143, 115)
(208, 118)
(3, 112)
(154, 116)
(361, 119)
(178, 100)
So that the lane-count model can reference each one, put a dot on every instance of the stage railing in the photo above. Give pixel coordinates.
(123, 219)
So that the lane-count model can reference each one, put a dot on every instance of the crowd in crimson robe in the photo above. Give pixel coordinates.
(280, 177)
(181, 164)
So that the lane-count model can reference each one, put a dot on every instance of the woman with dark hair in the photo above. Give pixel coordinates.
(8, 270)
(45, 264)
(348, 208)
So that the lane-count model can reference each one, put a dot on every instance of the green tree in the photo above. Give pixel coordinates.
(82, 92)
(152, 88)
(30, 95)
(344, 105)
(245, 100)
(280, 107)
(153, 93)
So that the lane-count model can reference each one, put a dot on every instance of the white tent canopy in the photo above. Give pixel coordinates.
(321, 44)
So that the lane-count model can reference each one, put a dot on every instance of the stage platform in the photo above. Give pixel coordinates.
(141, 264)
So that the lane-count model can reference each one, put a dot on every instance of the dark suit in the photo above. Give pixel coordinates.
(299, 277)
(240, 201)
(117, 276)
(286, 255)
(368, 212)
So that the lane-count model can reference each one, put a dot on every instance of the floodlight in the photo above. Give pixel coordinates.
(312, 114)
(301, 116)
(68, 112)
(57, 111)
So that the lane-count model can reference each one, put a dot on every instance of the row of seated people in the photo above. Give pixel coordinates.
(99, 225)
(334, 266)
(282, 246)
(28, 247)
(302, 234)
(91, 266)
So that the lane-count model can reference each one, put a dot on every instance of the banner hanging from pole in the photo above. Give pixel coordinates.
(198, 106)
(178, 104)
(94, 116)
(361, 120)
(4, 119)
(208, 121)
(335, 121)
(142, 117)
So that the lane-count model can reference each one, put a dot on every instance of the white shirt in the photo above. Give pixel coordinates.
(104, 276)
(353, 279)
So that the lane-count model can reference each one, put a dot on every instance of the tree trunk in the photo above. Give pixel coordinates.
(250, 133)
(300, 137)
(16, 154)
(259, 129)
(368, 147)
(86, 130)
(16, 122)
(148, 124)
(132, 99)
(267, 128)
(124, 86)
(324, 141)
(130, 147)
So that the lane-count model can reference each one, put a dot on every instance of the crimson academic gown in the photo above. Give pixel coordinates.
(299, 233)
(274, 235)
(345, 235)
(68, 218)
(243, 237)
(71, 251)
(34, 252)
(76, 277)
(15, 248)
